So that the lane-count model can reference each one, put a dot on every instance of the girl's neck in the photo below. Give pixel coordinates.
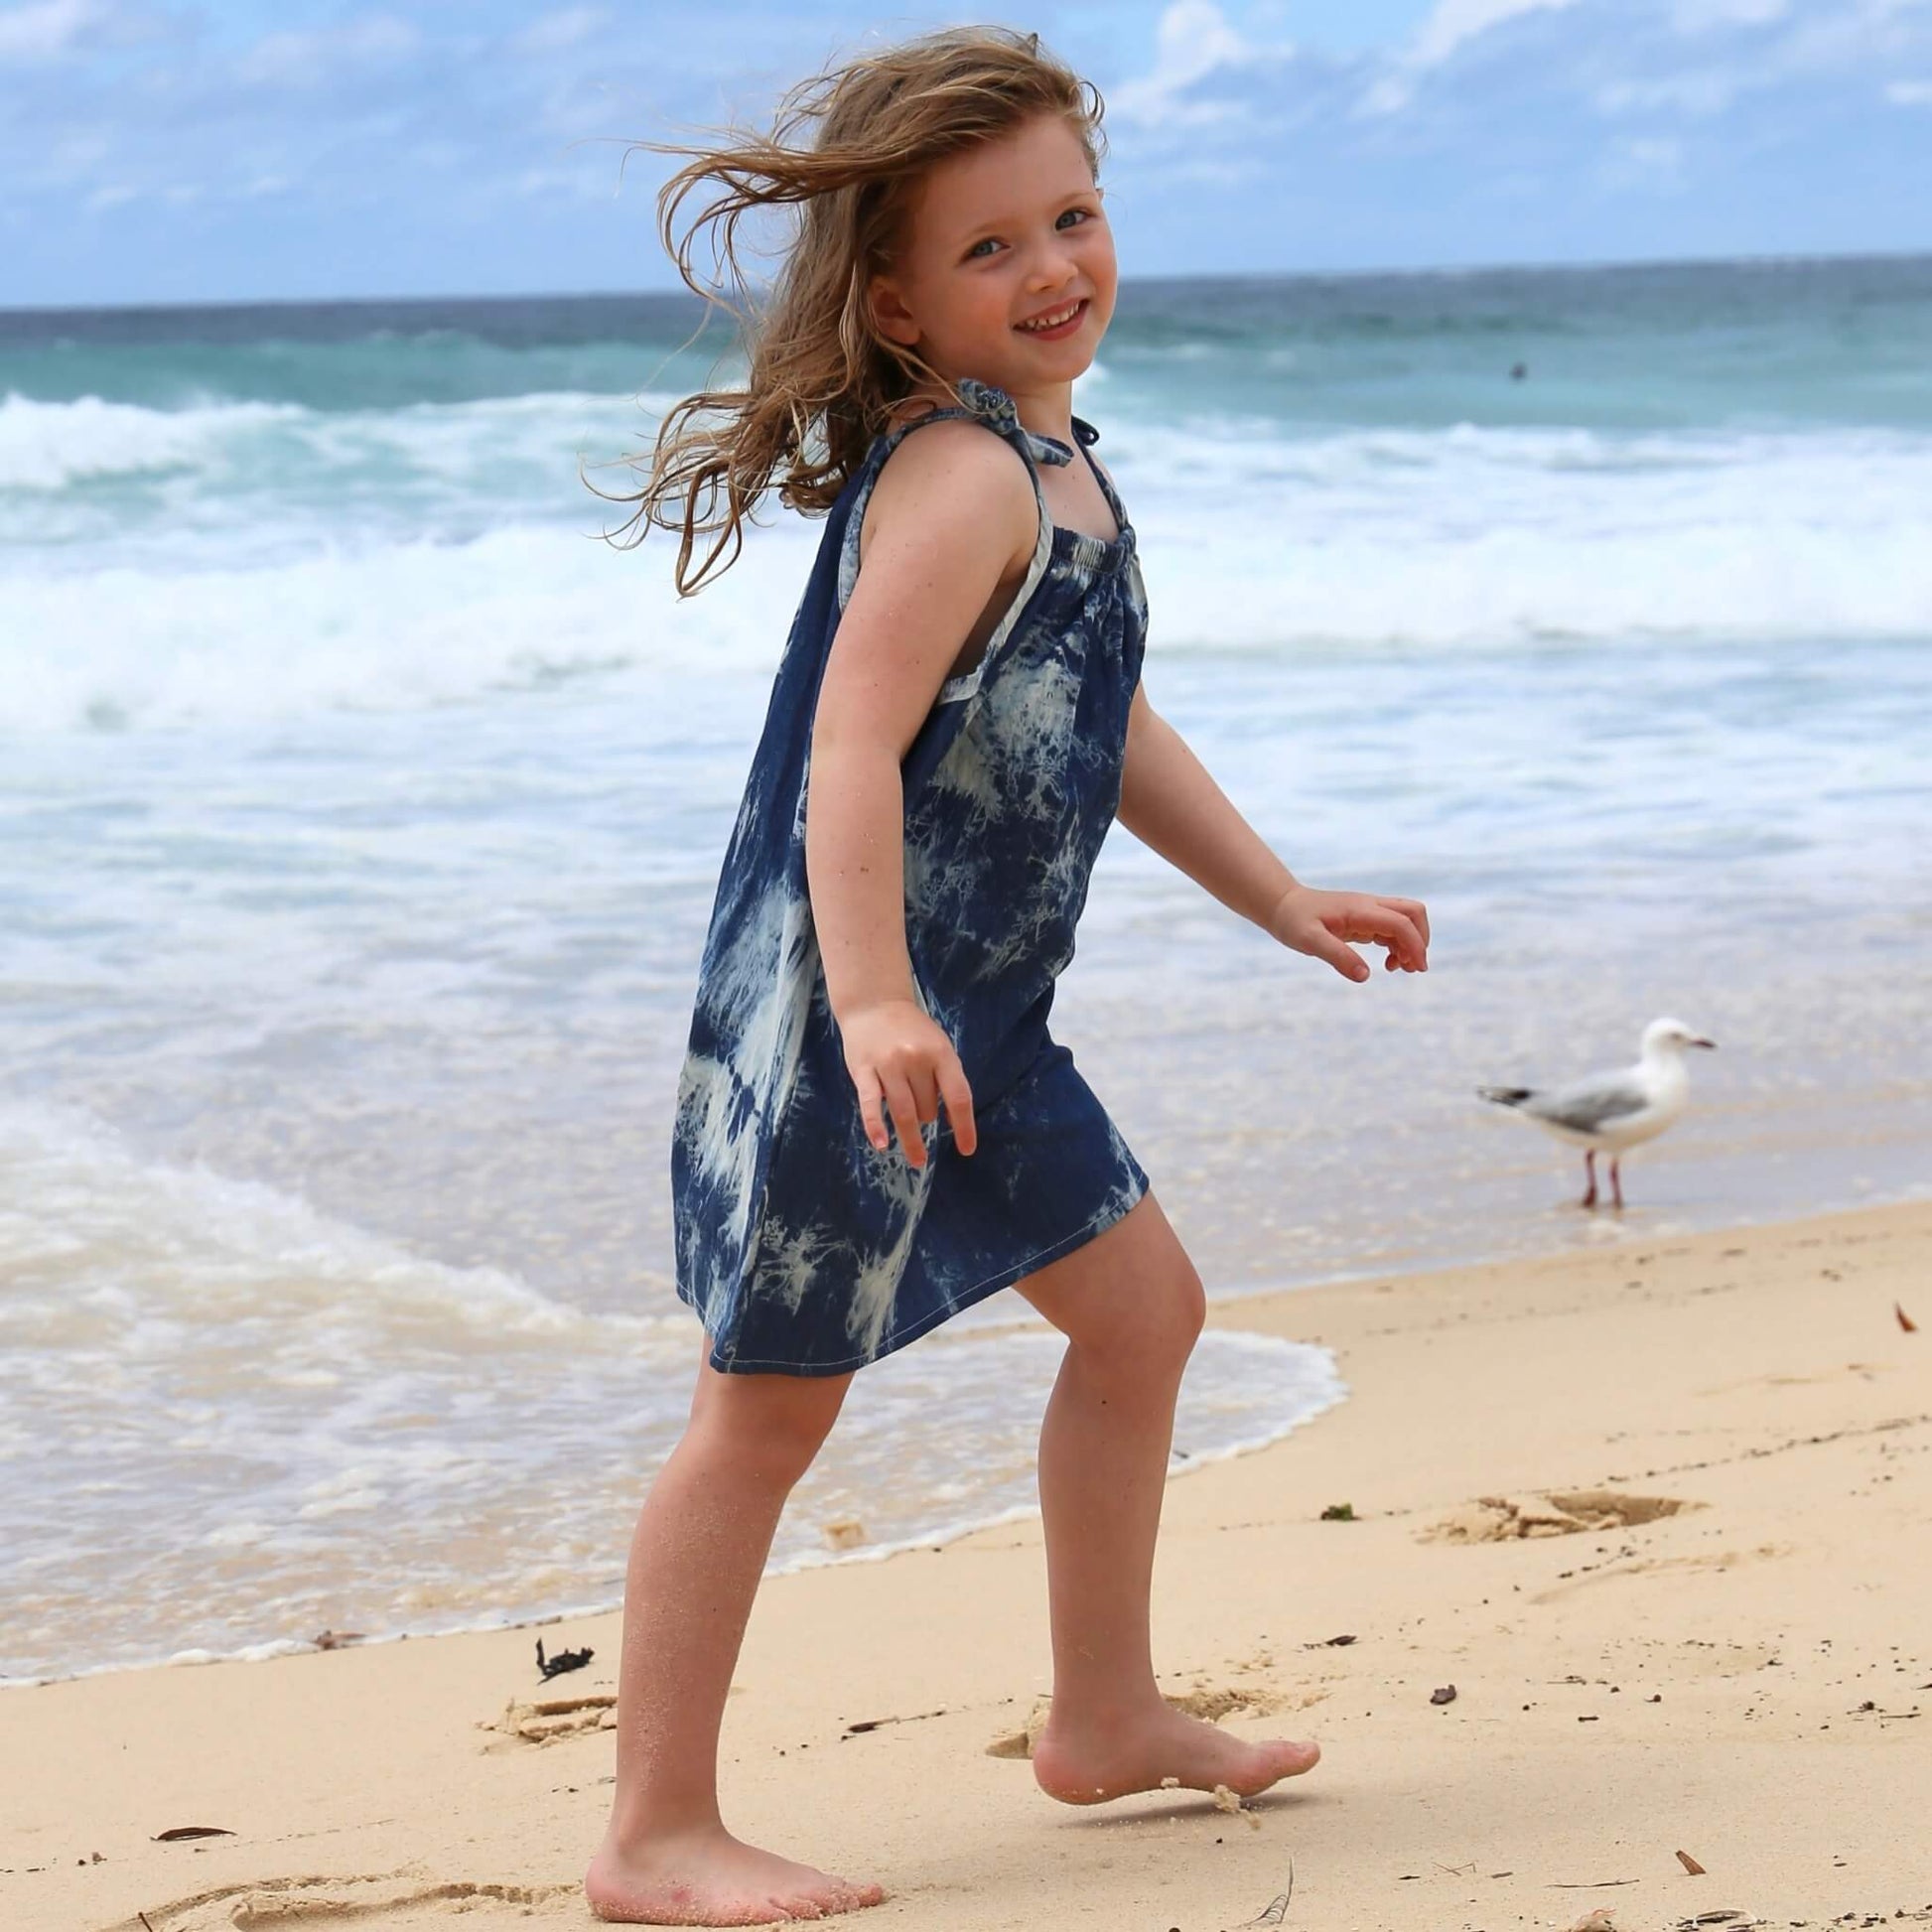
(1046, 410)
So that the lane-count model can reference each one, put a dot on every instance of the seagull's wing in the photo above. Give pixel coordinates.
(1595, 1102)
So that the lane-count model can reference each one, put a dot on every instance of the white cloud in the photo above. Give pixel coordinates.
(1699, 92)
(1456, 22)
(555, 32)
(1450, 27)
(1656, 154)
(47, 30)
(579, 183)
(1910, 93)
(1193, 42)
(301, 59)
(1704, 16)
(1654, 162)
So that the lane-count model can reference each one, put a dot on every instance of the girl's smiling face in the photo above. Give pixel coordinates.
(1006, 271)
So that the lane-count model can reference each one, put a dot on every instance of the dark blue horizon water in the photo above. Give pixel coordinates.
(1847, 330)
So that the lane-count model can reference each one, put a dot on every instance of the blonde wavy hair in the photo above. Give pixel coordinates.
(846, 150)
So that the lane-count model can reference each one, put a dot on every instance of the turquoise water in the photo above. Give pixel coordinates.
(360, 812)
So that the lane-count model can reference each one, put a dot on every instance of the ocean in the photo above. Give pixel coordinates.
(360, 808)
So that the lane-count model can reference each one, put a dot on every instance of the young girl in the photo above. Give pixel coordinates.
(875, 1128)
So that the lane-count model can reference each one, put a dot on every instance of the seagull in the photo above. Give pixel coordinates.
(1609, 1112)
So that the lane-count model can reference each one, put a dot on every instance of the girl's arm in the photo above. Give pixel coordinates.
(1169, 802)
(952, 519)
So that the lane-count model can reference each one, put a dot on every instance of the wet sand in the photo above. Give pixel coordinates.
(1746, 1678)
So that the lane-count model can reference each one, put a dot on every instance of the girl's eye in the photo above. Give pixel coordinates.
(987, 241)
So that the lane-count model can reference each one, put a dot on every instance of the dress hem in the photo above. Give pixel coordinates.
(979, 1291)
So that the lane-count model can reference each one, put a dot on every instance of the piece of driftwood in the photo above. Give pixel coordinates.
(873, 1723)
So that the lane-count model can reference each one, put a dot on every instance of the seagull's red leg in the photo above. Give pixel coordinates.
(1589, 1167)
(1617, 1179)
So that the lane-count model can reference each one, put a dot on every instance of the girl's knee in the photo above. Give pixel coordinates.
(779, 1421)
(1155, 1325)
(1192, 1299)
(1185, 1307)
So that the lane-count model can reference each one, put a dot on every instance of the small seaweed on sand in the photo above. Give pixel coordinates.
(564, 1660)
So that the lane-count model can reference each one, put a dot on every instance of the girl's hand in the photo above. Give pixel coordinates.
(1317, 923)
(899, 1057)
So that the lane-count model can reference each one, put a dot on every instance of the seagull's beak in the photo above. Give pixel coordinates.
(1701, 1041)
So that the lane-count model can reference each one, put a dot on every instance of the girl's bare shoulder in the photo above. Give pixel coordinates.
(960, 475)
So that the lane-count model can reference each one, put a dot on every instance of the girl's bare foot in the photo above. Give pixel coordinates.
(712, 1878)
(1087, 1764)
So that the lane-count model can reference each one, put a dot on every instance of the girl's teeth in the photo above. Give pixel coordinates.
(1051, 322)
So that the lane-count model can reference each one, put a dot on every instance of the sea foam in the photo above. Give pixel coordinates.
(453, 553)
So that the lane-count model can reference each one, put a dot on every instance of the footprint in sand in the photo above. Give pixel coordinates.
(1851, 1372)
(1718, 1561)
(1552, 1512)
(399, 1899)
(548, 1720)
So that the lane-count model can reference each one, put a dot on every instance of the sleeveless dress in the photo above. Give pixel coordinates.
(804, 1249)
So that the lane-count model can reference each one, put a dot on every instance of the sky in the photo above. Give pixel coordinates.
(153, 151)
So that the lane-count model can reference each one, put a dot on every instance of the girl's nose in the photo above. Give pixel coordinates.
(1053, 268)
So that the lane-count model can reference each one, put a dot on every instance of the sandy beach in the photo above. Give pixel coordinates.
(1712, 1642)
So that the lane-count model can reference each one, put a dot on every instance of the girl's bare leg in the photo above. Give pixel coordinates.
(699, 1550)
(1131, 1304)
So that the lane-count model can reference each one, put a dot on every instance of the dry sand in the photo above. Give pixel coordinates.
(1748, 1680)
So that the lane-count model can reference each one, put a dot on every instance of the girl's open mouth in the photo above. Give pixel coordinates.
(1057, 323)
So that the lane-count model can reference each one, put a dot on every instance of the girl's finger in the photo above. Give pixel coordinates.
(906, 1122)
(958, 1097)
(1344, 958)
(1416, 911)
(925, 1092)
(865, 1082)
(1398, 932)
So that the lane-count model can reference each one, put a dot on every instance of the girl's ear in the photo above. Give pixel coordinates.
(890, 315)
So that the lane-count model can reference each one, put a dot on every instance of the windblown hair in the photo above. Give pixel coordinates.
(821, 381)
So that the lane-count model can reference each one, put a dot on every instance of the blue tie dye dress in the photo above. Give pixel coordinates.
(804, 1249)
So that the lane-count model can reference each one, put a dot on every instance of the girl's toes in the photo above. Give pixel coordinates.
(1290, 1760)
